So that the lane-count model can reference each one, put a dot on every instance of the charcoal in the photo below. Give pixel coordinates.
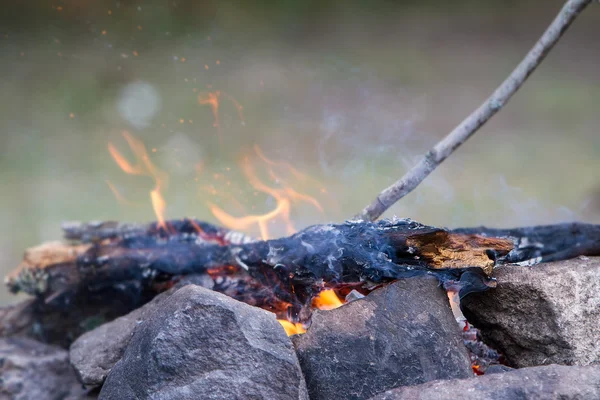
(543, 314)
(200, 344)
(401, 334)
(33, 370)
(535, 383)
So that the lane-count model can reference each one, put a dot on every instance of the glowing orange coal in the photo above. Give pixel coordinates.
(284, 196)
(143, 167)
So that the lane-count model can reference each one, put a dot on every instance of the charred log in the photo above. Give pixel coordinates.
(546, 243)
(134, 262)
(321, 255)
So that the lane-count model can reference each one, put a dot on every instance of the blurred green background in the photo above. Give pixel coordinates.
(348, 92)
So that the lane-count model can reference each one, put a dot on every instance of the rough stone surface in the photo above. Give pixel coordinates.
(95, 352)
(401, 334)
(34, 370)
(543, 314)
(498, 369)
(536, 383)
(200, 344)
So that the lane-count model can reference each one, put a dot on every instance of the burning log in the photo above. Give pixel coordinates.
(296, 268)
(282, 274)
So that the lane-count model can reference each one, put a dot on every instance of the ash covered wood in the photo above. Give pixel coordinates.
(546, 243)
(293, 269)
(134, 262)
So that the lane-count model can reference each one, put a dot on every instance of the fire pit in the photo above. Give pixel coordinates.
(392, 273)
(367, 308)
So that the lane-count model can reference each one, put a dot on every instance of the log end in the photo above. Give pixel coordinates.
(33, 274)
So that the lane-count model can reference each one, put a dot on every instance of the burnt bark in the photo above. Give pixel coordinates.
(295, 266)
(545, 243)
(129, 264)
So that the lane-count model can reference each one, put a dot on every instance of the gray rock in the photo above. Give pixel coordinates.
(34, 370)
(498, 369)
(543, 314)
(202, 344)
(539, 383)
(95, 352)
(401, 334)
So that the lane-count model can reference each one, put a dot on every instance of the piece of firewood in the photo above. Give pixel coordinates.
(294, 268)
(317, 256)
(108, 269)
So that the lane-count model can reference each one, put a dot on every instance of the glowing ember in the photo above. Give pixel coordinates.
(143, 167)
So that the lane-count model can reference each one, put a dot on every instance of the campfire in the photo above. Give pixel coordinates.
(252, 307)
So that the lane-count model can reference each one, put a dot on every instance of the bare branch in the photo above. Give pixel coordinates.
(480, 116)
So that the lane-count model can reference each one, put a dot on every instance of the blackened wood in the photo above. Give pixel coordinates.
(292, 270)
(132, 263)
(321, 255)
(87, 232)
(545, 243)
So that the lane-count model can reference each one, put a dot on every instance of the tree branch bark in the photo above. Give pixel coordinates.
(480, 116)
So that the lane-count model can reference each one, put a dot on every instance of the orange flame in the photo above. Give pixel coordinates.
(327, 300)
(293, 170)
(245, 223)
(284, 198)
(213, 99)
(143, 167)
(292, 328)
(120, 198)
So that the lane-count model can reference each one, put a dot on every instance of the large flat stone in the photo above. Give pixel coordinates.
(200, 344)
(542, 314)
(535, 383)
(401, 334)
(33, 370)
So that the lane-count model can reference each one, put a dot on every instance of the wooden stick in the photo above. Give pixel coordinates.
(480, 116)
